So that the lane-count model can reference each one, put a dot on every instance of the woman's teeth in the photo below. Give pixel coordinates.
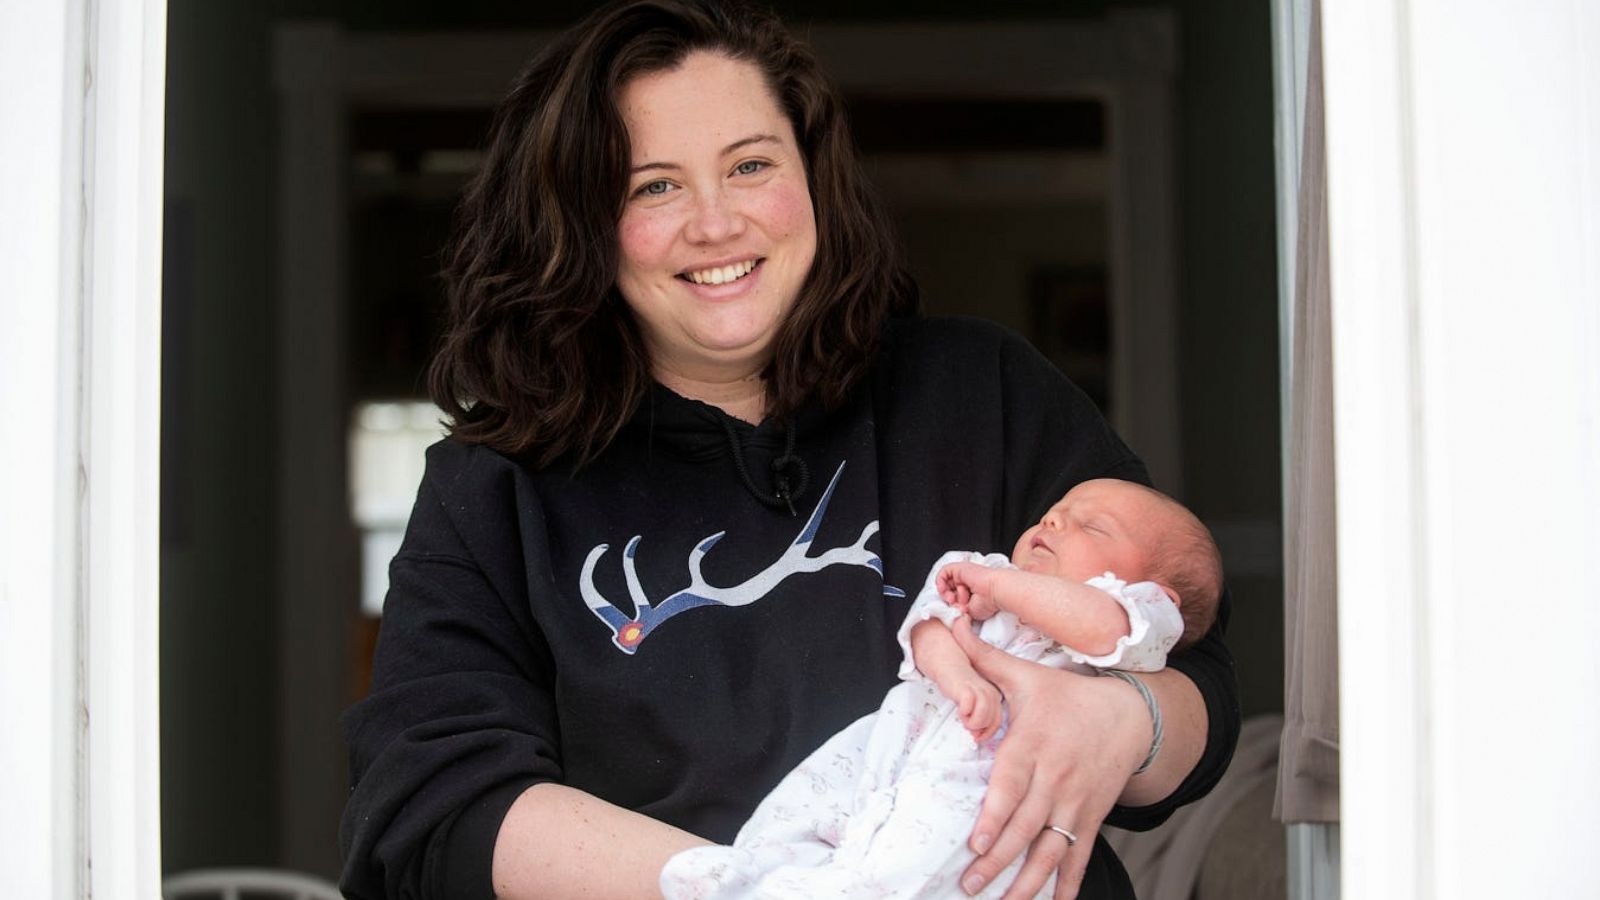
(722, 275)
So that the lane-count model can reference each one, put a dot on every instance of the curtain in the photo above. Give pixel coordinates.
(1308, 772)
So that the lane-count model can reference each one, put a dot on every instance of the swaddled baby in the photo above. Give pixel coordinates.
(1114, 576)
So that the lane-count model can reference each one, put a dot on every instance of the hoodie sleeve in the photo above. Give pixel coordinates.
(459, 722)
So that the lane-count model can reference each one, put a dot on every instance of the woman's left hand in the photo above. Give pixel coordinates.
(1071, 745)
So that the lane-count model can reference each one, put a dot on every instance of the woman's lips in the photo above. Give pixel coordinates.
(723, 272)
(726, 289)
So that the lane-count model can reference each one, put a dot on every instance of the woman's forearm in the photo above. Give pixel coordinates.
(558, 841)
(1184, 724)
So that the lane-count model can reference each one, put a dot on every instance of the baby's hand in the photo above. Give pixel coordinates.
(978, 705)
(952, 589)
(964, 586)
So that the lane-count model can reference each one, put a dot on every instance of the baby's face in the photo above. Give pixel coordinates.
(1099, 526)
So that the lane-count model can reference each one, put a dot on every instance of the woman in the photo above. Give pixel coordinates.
(699, 448)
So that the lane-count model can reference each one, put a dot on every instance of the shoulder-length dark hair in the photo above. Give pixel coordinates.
(541, 355)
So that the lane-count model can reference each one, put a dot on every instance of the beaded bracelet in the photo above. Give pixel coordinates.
(1155, 714)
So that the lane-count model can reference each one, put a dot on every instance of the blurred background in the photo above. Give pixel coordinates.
(1101, 180)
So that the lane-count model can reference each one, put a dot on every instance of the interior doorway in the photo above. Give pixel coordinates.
(1081, 193)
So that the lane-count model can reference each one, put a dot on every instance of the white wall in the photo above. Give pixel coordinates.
(1464, 203)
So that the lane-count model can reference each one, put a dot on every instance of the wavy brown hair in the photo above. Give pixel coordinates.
(541, 356)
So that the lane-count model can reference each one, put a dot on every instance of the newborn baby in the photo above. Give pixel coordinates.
(1114, 576)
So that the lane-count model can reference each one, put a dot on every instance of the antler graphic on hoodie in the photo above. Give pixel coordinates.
(627, 633)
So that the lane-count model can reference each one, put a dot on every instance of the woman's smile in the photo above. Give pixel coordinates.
(722, 273)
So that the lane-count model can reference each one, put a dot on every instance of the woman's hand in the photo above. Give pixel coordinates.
(1073, 742)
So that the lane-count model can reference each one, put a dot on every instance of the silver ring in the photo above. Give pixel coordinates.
(1071, 838)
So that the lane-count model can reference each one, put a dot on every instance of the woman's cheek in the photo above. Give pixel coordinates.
(787, 210)
(643, 236)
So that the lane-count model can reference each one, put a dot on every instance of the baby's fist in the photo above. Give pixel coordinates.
(969, 587)
(952, 588)
(979, 708)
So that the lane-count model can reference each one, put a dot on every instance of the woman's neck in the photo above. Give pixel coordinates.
(742, 397)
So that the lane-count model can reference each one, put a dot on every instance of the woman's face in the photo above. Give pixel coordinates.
(717, 234)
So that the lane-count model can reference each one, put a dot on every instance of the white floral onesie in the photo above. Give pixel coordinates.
(884, 808)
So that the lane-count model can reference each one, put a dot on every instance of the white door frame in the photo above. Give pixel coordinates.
(1464, 216)
(82, 96)
(1440, 221)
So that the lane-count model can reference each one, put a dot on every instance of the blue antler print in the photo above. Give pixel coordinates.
(627, 633)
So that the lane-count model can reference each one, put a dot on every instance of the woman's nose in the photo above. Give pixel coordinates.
(714, 219)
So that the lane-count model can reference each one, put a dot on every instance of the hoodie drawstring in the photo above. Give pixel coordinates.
(790, 477)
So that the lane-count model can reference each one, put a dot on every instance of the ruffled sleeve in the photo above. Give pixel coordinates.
(1154, 626)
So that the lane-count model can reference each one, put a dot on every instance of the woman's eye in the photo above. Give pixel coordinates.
(749, 167)
(653, 189)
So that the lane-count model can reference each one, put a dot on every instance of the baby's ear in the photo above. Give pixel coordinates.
(1177, 599)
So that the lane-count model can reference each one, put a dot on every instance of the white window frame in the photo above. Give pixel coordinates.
(1464, 217)
(82, 96)
(1441, 799)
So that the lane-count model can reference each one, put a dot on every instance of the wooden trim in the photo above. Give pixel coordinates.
(1378, 454)
(42, 851)
(317, 549)
(120, 442)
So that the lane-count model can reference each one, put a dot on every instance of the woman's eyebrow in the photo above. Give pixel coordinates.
(752, 139)
(731, 148)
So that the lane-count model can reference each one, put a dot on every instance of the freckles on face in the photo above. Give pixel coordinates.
(643, 240)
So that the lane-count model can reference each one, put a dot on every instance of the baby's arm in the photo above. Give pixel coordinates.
(938, 656)
(1084, 618)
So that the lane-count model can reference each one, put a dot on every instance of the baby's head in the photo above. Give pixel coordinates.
(1136, 533)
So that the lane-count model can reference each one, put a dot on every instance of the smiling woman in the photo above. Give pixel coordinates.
(673, 297)
(613, 174)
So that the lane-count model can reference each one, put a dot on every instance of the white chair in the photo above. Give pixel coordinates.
(233, 884)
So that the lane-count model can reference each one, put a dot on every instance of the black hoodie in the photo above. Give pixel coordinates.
(515, 647)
